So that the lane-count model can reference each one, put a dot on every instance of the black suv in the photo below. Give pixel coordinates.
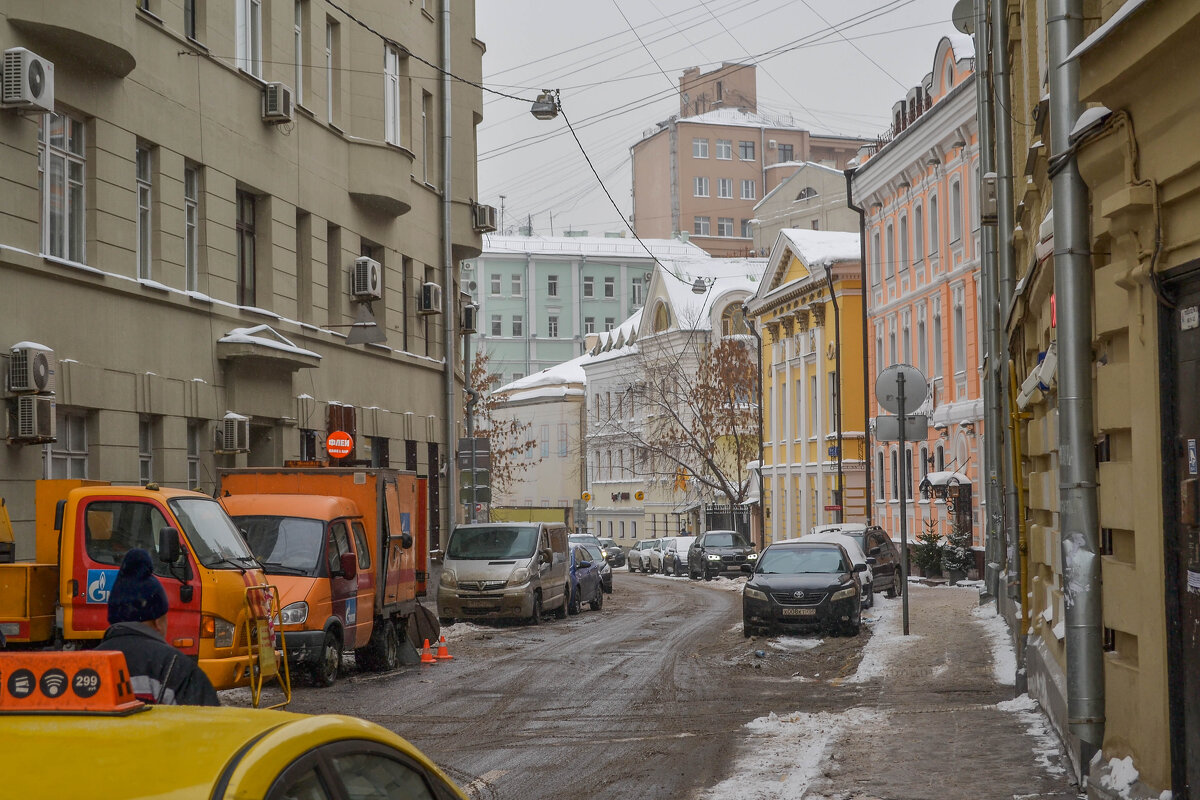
(719, 551)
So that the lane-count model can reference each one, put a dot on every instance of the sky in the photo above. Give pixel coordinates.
(837, 66)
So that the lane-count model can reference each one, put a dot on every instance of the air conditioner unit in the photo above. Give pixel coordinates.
(276, 103)
(771, 145)
(367, 280)
(485, 218)
(233, 434)
(430, 301)
(466, 266)
(470, 317)
(31, 369)
(28, 81)
(35, 419)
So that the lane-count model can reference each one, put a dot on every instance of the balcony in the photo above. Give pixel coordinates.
(380, 176)
(97, 35)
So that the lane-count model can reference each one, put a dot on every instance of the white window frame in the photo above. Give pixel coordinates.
(144, 173)
(699, 186)
(298, 45)
(589, 286)
(191, 227)
(749, 189)
(63, 164)
(610, 286)
(699, 148)
(743, 148)
(725, 149)
(495, 282)
(497, 325)
(589, 325)
(725, 188)
(552, 285)
(392, 126)
(876, 257)
(609, 323)
(195, 435)
(747, 229)
(69, 453)
(518, 285)
(145, 450)
(701, 225)
(329, 71)
(518, 325)
(724, 226)
(248, 21)
(552, 326)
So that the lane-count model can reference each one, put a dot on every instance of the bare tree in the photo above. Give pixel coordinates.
(507, 436)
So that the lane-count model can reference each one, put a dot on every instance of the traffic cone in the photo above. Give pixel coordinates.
(426, 656)
(442, 653)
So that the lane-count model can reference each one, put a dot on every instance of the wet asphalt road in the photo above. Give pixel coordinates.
(644, 698)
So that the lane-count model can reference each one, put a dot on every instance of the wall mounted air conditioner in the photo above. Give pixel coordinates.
(31, 368)
(485, 218)
(35, 423)
(771, 145)
(430, 301)
(28, 81)
(366, 282)
(276, 103)
(233, 434)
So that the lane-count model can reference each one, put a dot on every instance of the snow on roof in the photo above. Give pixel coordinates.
(590, 246)
(266, 336)
(545, 393)
(736, 116)
(943, 478)
(818, 248)
(564, 374)
(1108, 27)
(622, 334)
(963, 44)
(725, 275)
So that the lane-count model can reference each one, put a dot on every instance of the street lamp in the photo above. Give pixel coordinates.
(546, 105)
(701, 286)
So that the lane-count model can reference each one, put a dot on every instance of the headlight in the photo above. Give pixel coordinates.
(449, 579)
(604, 554)
(519, 576)
(844, 593)
(714, 558)
(754, 594)
(751, 556)
(219, 630)
(294, 613)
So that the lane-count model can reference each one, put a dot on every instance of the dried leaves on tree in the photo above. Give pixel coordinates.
(509, 438)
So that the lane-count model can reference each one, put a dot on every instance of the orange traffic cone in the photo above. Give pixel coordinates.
(442, 653)
(426, 656)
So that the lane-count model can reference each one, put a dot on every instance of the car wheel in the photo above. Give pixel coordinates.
(573, 606)
(561, 611)
(606, 587)
(891, 591)
(445, 622)
(536, 617)
(708, 576)
(853, 628)
(869, 593)
(629, 565)
(598, 603)
(325, 671)
(692, 574)
(747, 631)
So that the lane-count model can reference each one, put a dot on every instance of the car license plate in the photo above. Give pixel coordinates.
(799, 612)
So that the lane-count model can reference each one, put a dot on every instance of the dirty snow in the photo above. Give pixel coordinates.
(1046, 748)
(795, 644)
(886, 636)
(1004, 658)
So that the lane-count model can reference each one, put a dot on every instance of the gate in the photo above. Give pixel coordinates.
(724, 517)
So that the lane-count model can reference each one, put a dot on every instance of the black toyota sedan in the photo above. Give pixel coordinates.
(801, 585)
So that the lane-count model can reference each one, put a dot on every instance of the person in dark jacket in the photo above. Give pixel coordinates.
(137, 616)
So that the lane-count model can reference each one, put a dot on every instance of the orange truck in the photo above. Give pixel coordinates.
(83, 530)
(347, 548)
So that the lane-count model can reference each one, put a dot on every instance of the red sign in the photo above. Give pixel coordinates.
(833, 508)
(339, 444)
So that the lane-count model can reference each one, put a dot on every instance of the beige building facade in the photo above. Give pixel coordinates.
(811, 196)
(187, 202)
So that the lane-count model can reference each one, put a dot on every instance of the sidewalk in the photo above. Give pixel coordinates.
(937, 719)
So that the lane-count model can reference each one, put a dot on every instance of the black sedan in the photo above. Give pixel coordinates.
(616, 553)
(715, 552)
(801, 585)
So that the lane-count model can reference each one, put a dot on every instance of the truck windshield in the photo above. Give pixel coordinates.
(214, 538)
(492, 543)
(284, 545)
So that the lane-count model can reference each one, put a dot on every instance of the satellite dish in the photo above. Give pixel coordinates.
(963, 16)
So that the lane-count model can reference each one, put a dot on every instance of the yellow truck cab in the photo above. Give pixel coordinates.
(84, 529)
(78, 705)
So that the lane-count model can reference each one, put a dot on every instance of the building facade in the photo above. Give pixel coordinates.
(918, 189)
(812, 196)
(184, 239)
(540, 298)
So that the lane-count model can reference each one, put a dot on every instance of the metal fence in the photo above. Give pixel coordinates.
(724, 517)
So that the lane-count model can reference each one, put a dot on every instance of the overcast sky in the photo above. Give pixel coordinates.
(836, 66)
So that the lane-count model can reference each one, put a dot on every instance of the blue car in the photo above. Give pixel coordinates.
(585, 580)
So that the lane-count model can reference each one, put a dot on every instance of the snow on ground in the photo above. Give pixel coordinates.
(886, 635)
(1004, 658)
(1045, 741)
(464, 630)
(794, 644)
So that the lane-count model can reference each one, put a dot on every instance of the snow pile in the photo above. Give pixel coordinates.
(1004, 658)
(795, 644)
(783, 754)
(887, 638)
(464, 630)
(1045, 740)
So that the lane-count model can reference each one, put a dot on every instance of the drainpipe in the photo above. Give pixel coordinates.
(840, 514)
(867, 386)
(1073, 285)
(448, 293)
(762, 495)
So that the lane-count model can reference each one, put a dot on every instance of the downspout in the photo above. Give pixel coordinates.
(866, 393)
(837, 389)
(448, 291)
(762, 495)
(1073, 285)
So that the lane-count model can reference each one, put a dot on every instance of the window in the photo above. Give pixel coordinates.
(699, 187)
(69, 455)
(517, 376)
(908, 473)
(889, 254)
(360, 541)
(635, 291)
(309, 450)
(905, 260)
(195, 433)
(814, 420)
(589, 286)
(724, 226)
(924, 460)
(937, 344)
(191, 27)
(880, 493)
(191, 232)
(879, 365)
(552, 285)
(699, 148)
(544, 440)
(955, 211)
(918, 234)
(749, 190)
(61, 160)
(589, 325)
(960, 332)
(746, 151)
(494, 289)
(785, 153)
(145, 206)
(831, 408)
(496, 330)
(700, 226)
(725, 187)
(725, 149)
(427, 148)
(747, 229)
(895, 475)
(245, 249)
(610, 287)
(392, 103)
(892, 342)
(876, 257)
(518, 325)
(518, 283)
(562, 440)
(609, 323)
(941, 458)
(249, 36)
(145, 450)
(332, 77)
(906, 339)
(552, 327)
(922, 344)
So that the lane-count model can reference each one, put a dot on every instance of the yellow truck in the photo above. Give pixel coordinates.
(214, 584)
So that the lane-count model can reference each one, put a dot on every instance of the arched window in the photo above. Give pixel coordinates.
(890, 254)
(934, 244)
(895, 475)
(956, 211)
(662, 318)
(876, 256)
(941, 458)
(905, 256)
(918, 234)
(733, 320)
(924, 460)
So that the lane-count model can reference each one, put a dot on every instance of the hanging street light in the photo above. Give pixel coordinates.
(546, 105)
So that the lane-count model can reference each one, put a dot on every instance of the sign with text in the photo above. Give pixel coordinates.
(339, 444)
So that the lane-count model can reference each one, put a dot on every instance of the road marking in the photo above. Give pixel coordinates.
(486, 779)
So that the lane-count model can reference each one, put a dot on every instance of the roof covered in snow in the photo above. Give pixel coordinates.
(722, 277)
(568, 373)
(595, 246)
(818, 248)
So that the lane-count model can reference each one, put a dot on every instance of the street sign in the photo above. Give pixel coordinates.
(887, 388)
(480, 444)
(482, 494)
(483, 460)
(833, 451)
(481, 478)
(887, 428)
(339, 444)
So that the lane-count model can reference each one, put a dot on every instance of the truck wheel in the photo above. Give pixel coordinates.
(445, 622)
(561, 611)
(325, 671)
(536, 617)
(382, 652)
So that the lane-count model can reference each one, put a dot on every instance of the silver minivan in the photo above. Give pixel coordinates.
(497, 570)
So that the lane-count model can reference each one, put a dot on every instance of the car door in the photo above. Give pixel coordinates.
(343, 591)
(885, 558)
(366, 586)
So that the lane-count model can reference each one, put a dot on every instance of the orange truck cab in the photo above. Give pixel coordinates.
(347, 549)
(84, 529)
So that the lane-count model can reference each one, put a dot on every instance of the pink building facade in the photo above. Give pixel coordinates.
(918, 186)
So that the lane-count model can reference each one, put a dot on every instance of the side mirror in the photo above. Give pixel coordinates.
(871, 561)
(584, 564)
(436, 556)
(874, 551)
(406, 541)
(860, 567)
(349, 564)
(168, 545)
(546, 555)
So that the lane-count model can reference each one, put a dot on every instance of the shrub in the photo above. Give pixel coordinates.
(927, 553)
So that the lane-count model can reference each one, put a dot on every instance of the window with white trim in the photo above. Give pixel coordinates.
(699, 186)
(518, 325)
(960, 331)
(725, 149)
(890, 254)
(552, 285)
(934, 244)
(298, 50)
(725, 188)
(876, 256)
(195, 435)
(749, 189)
(392, 104)
(747, 229)
(589, 286)
(610, 287)
(699, 148)
(589, 325)
(880, 484)
(248, 22)
(497, 329)
(552, 327)
(724, 226)
(69, 454)
(191, 226)
(918, 234)
(937, 343)
(746, 151)
(494, 284)
(143, 169)
(145, 450)
(61, 162)
(700, 225)
(905, 256)
(518, 284)
(956, 211)
(609, 323)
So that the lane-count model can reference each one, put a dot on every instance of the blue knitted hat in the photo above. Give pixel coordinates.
(137, 595)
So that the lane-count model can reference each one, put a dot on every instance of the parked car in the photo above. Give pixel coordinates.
(803, 584)
(715, 552)
(857, 556)
(614, 552)
(605, 567)
(877, 544)
(585, 580)
(638, 556)
(673, 554)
